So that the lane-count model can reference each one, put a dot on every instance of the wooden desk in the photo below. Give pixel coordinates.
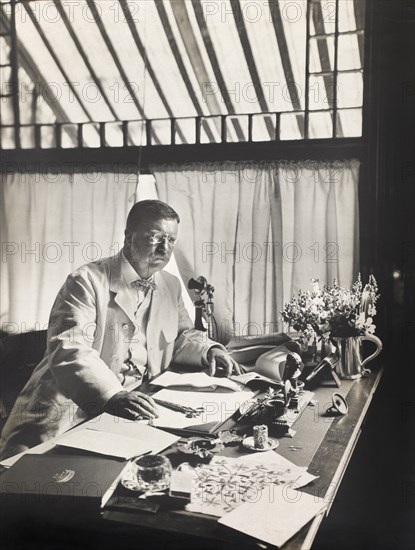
(326, 447)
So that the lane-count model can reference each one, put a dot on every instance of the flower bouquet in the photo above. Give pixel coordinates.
(340, 316)
(333, 311)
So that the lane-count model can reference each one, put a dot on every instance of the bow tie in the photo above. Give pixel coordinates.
(143, 284)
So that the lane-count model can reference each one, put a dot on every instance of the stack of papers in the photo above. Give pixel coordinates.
(275, 520)
(199, 380)
(256, 494)
(202, 382)
(114, 436)
(217, 407)
(226, 483)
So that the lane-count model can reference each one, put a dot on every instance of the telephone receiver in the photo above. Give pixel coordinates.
(273, 363)
(204, 319)
(326, 366)
(199, 285)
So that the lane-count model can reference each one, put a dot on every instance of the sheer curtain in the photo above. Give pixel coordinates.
(260, 232)
(53, 223)
(50, 225)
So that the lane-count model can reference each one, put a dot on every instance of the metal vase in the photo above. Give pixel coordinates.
(351, 365)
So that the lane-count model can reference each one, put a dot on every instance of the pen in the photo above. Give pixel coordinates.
(179, 408)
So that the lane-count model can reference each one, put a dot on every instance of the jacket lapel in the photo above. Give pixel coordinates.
(161, 314)
(119, 287)
(161, 320)
(157, 312)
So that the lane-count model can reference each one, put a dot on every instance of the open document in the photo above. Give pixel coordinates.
(276, 515)
(213, 408)
(226, 483)
(203, 382)
(114, 436)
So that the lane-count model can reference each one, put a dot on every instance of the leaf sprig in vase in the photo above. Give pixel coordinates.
(333, 311)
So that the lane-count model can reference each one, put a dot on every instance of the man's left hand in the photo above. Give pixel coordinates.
(217, 358)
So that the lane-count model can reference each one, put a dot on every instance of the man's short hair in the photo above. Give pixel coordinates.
(150, 209)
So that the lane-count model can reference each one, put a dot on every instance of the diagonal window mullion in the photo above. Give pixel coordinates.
(85, 59)
(253, 71)
(193, 52)
(56, 59)
(142, 51)
(30, 67)
(8, 30)
(285, 60)
(175, 51)
(113, 53)
(323, 53)
(359, 7)
(210, 49)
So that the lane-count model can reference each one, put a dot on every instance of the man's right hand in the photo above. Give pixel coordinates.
(132, 405)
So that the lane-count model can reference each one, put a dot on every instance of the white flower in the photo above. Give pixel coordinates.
(315, 287)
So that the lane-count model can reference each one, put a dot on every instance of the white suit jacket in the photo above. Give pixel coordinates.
(90, 330)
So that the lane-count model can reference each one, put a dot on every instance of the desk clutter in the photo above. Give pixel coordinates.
(217, 438)
(230, 490)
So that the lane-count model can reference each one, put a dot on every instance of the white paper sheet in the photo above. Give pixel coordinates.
(198, 380)
(276, 516)
(217, 406)
(276, 460)
(141, 431)
(226, 483)
(38, 450)
(158, 439)
(104, 443)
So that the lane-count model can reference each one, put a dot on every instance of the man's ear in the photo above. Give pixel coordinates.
(128, 237)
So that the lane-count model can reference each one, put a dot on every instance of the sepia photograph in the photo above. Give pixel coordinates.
(207, 274)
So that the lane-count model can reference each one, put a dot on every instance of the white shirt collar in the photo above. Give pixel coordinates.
(128, 272)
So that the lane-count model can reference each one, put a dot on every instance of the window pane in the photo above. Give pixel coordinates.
(242, 123)
(349, 90)
(323, 16)
(69, 136)
(113, 134)
(6, 110)
(260, 131)
(90, 133)
(320, 92)
(351, 122)
(7, 138)
(351, 15)
(292, 126)
(27, 137)
(321, 54)
(47, 137)
(185, 131)
(137, 132)
(4, 51)
(320, 125)
(161, 130)
(207, 124)
(5, 75)
(350, 47)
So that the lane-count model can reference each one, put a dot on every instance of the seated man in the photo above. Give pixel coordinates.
(114, 321)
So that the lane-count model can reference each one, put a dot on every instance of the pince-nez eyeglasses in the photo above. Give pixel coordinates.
(160, 237)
